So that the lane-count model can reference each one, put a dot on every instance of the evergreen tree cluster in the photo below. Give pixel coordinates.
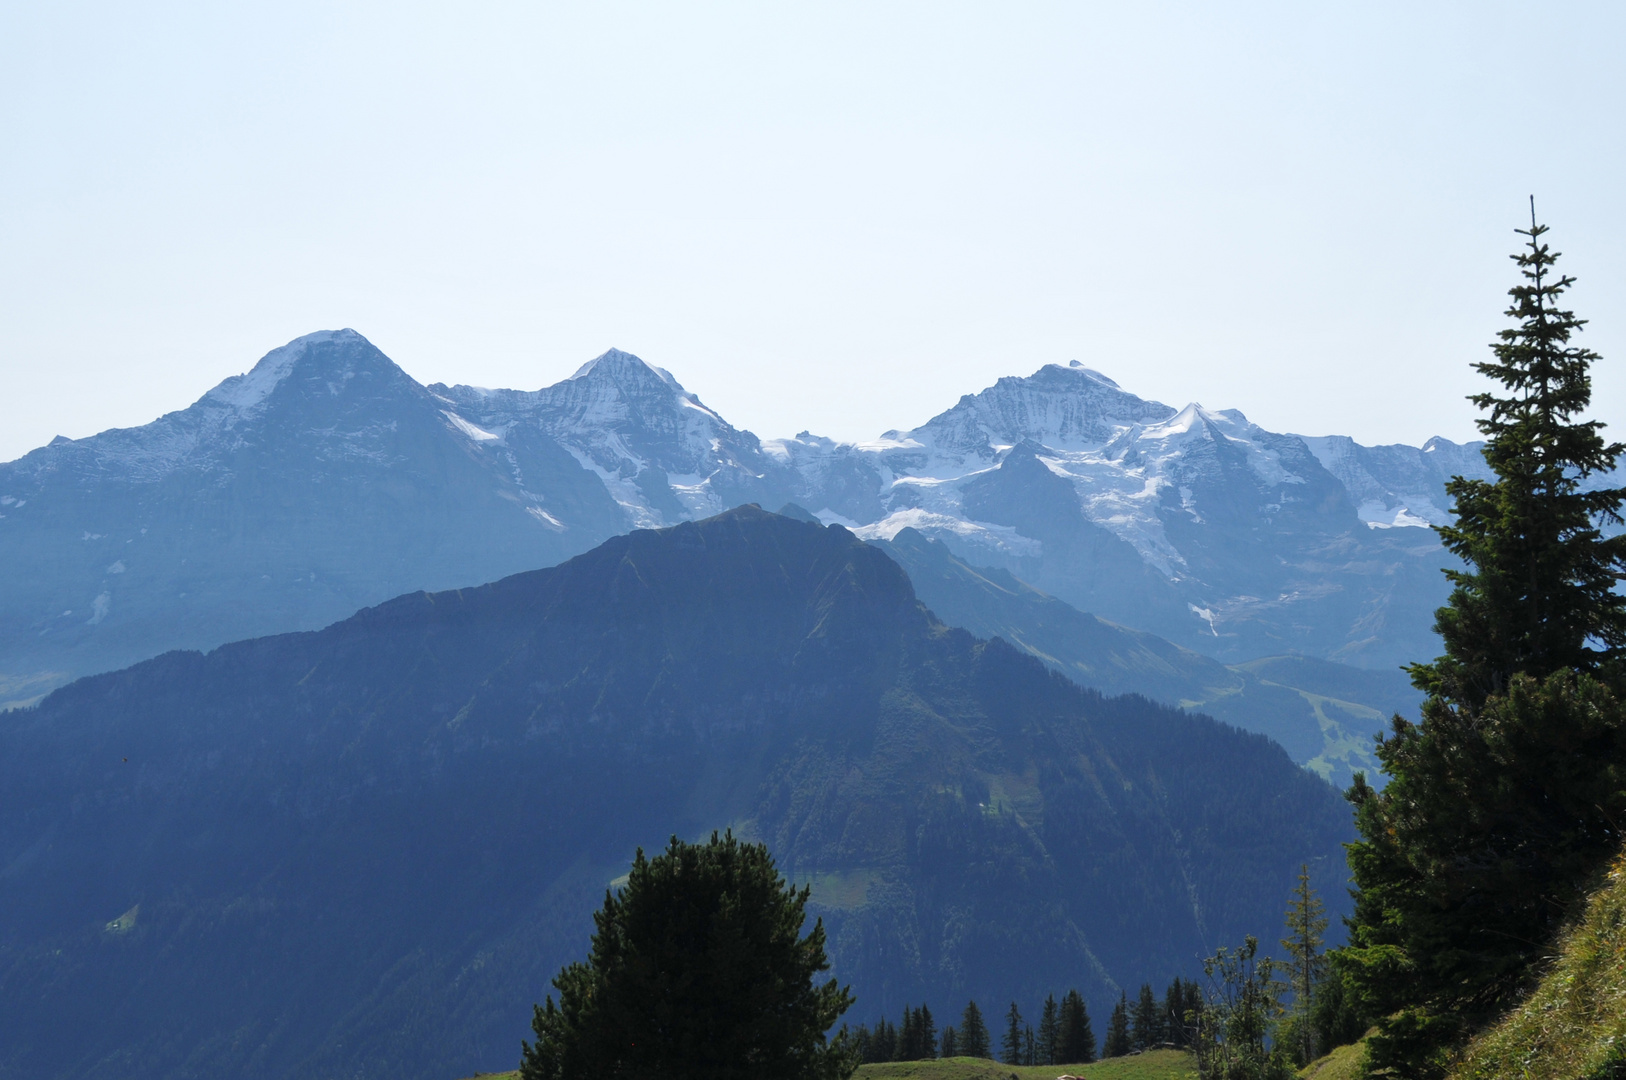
(1063, 1037)
(1508, 796)
(915, 1039)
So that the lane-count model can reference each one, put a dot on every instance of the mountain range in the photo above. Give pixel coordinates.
(1322, 713)
(362, 851)
(325, 479)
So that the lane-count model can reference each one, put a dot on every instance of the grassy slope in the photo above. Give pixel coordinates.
(1573, 1025)
(1344, 1063)
(1155, 1065)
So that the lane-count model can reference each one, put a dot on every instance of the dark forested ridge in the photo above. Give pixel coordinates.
(363, 851)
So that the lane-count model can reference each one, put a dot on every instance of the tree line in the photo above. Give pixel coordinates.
(1064, 1034)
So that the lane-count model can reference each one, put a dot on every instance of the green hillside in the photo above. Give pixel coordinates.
(1573, 1027)
(1344, 1063)
(1154, 1065)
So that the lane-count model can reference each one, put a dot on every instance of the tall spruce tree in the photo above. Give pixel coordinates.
(1146, 1022)
(1118, 1042)
(1306, 963)
(1074, 1037)
(1013, 1043)
(926, 1029)
(908, 1036)
(1505, 798)
(950, 1042)
(973, 1033)
(1049, 1029)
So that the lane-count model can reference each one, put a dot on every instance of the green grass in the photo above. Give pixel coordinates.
(1152, 1065)
(1573, 1025)
(1344, 1063)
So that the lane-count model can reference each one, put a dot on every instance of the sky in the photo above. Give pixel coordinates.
(834, 217)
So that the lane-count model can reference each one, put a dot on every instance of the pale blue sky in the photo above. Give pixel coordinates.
(829, 216)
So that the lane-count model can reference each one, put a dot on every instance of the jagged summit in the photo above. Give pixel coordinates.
(1060, 406)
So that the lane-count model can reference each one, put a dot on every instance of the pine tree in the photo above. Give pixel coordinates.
(973, 1033)
(1306, 964)
(1049, 1030)
(926, 1027)
(1118, 1042)
(697, 968)
(1146, 1022)
(884, 1041)
(861, 1045)
(1075, 1038)
(908, 1037)
(1012, 1044)
(950, 1044)
(1505, 798)
(1540, 596)
(1030, 1047)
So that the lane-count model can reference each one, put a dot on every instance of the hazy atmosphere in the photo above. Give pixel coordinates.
(833, 217)
(812, 541)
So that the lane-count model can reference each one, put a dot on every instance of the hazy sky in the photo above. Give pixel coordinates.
(829, 216)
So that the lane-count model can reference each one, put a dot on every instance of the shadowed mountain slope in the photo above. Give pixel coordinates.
(1323, 713)
(364, 851)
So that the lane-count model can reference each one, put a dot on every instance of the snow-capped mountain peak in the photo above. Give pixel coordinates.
(1066, 407)
(250, 390)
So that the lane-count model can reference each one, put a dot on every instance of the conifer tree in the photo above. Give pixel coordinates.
(1507, 795)
(973, 1033)
(926, 1029)
(1049, 1030)
(1540, 595)
(1030, 1047)
(886, 1041)
(697, 968)
(1013, 1044)
(1074, 1035)
(1306, 964)
(1146, 1022)
(950, 1043)
(1118, 1041)
(908, 1037)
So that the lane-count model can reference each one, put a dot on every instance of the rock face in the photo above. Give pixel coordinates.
(364, 851)
(325, 479)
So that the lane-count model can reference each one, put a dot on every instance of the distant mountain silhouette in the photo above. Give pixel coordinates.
(364, 851)
(325, 479)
